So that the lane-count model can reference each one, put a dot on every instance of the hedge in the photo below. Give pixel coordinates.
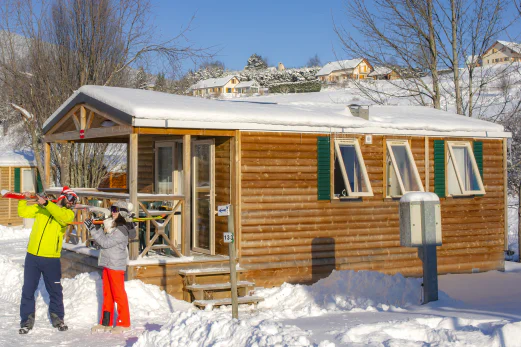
(296, 87)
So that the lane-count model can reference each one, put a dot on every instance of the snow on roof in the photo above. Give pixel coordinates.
(379, 71)
(144, 108)
(516, 47)
(12, 155)
(247, 84)
(338, 65)
(213, 82)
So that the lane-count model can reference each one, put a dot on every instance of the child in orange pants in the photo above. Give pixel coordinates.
(113, 257)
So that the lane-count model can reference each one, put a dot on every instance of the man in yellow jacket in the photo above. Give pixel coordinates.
(43, 256)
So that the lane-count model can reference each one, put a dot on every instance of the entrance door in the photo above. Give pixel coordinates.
(203, 200)
(169, 179)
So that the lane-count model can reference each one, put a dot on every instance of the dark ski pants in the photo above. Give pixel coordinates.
(50, 268)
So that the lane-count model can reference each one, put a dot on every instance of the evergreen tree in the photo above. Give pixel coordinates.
(141, 80)
(256, 62)
(160, 84)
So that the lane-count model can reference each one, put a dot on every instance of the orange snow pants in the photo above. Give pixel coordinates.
(114, 292)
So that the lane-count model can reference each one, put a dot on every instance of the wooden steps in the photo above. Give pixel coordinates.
(212, 287)
(228, 301)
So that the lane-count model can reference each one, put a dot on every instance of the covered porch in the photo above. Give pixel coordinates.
(176, 179)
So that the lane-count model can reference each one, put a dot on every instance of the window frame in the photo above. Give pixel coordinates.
(337, 154)
(475, 168)
(390, 153)
(22, 180)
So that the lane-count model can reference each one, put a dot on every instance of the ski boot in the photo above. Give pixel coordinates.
(104, 326)
(58, 323)
(27, 325)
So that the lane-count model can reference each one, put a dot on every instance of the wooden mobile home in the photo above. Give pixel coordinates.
(311, 191)
(18, 173)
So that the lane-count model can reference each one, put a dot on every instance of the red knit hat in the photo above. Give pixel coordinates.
(66, 191)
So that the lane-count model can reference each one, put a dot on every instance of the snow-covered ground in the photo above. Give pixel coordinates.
(345, 309)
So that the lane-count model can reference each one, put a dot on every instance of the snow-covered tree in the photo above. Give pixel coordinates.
(256, 62)
(160, 84)
(141, 80)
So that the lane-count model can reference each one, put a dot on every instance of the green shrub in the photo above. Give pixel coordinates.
(296, 87)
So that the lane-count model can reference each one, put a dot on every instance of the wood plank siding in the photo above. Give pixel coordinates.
(288, 235)
(8, 206)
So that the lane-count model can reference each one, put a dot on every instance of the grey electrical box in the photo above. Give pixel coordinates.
(420, 210)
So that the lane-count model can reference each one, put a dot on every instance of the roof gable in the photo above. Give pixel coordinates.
(213, 82)
(338, 66)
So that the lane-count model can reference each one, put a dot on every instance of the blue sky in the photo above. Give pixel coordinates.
(287, 31)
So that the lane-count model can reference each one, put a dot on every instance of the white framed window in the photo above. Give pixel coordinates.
(28, 180)
(402, 174)
(350, 174)
(463, 176)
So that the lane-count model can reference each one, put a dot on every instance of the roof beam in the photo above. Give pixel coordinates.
(90, 134)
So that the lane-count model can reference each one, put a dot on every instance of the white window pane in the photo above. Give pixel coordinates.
(465, 168)
(393, 186)
(164, 170)
(353, 169)
(405, 168)
(452, 179)
(28, 180)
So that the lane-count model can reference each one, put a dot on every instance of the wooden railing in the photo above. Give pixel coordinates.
(172, 206)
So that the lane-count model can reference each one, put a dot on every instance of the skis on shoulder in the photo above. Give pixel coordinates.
(6, 194)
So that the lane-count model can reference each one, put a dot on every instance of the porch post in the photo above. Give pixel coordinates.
(132, 188)
(187, 208)
(47, 165)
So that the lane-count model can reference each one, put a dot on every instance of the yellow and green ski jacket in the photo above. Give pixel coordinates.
(48, 228)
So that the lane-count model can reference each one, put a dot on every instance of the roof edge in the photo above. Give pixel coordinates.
(82, 98)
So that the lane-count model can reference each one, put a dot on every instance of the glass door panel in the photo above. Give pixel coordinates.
(165, 169)
(203, 223)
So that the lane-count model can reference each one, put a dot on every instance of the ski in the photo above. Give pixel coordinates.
(6, 194)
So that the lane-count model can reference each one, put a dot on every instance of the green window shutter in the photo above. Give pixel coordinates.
(17, 180)
(324, 169)
(478, 154)
(439, 168)
(39, 185)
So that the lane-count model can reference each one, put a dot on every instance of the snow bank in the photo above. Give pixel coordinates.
(201, 328)
(435, 331)
(342, 291)
(82, 296)
(9, 233)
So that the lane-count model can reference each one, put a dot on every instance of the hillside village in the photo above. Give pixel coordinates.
(257, 79)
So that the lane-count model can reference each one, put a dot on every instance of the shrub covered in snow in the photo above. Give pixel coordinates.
(295, 87)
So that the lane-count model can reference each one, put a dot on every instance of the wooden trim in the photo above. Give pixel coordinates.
(105, 115)
(238, 190)
(132, 187)
(90, 134)
(384, 171)
(47, 165)
(185, 219)
(505, 189)
(427, 165)
(63, 120)
(76, 121)
(90, 119)
(83, 117)
(175, 131)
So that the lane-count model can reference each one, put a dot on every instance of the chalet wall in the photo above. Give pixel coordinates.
(287, 235)
(9, 207)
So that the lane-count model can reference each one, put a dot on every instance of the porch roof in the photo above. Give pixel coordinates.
(144, 108)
